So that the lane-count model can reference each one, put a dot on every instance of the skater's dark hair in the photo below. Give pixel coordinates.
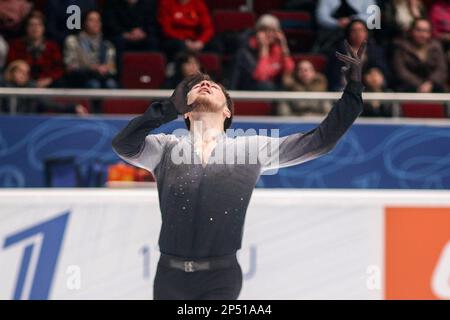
(201, 77)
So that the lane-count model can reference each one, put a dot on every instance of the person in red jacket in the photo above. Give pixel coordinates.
(186, 26)
(43, 56)
(263, 58)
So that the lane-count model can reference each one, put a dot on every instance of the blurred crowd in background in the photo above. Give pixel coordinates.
(276, 45)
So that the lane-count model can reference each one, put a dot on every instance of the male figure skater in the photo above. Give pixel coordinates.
(203, 202)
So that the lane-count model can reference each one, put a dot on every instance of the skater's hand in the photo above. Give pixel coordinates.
(179, 97)
(353, 62)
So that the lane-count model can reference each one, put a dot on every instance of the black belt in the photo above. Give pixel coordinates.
(189, 265)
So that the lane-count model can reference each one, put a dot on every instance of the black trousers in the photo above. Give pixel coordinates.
(219, 284)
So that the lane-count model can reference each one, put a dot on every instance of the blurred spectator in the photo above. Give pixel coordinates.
(303, 5)
(333, 16)
(419, 60)
(440, 19)
(43, 56)
(89, 59)
(4, 47)
(356, 33)
(17, 75)
(304, 78)
(374, 81)
(263, 58)
(186, 25)
(12, 14)
(131, 24)
(186, 64)
(56, 13)
(399, 15)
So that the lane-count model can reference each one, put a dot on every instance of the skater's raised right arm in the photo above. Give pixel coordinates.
(134, 144)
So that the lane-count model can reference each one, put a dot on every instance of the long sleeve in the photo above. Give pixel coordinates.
(206, 23)
(272, 65)
(244, 64)
(71, 54)
(263, 70)
(361, 7)
(110, 58)
(439, 74)
(402, 72)
(324, 13)
(301, 147)
(132, 143)
(56, 69)
(166, 21)
(14, 51)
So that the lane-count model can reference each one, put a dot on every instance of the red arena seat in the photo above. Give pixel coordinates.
(300, 40)
(293, 19)
(212, 63)
(227, 20)
(225, 4)
(143, 70)
(252, 108)
(423, 110)
(40, 5)
(116, 106)
(265, 6)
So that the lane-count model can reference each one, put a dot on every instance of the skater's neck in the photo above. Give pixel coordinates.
(206, 126)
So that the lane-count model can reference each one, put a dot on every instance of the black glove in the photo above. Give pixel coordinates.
(353, 62)
(179, 96)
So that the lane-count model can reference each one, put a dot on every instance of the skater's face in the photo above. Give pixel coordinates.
(209, 94)
(208, 98)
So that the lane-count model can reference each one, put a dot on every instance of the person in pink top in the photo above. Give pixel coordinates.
(263, 58)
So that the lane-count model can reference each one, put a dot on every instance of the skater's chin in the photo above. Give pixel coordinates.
(205, 103)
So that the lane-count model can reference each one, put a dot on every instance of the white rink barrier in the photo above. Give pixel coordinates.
(298, 244)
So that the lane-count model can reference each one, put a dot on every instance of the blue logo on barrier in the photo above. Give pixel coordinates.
(52, 232)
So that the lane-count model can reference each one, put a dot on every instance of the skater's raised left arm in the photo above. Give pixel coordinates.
(301, 147)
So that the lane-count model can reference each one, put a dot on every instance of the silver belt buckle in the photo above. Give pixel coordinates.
(189, 266)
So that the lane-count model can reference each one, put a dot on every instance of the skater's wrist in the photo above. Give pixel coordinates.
(161, 112)
(354, 87)
(169, 110)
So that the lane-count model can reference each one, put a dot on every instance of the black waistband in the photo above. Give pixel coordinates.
(193, 265)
